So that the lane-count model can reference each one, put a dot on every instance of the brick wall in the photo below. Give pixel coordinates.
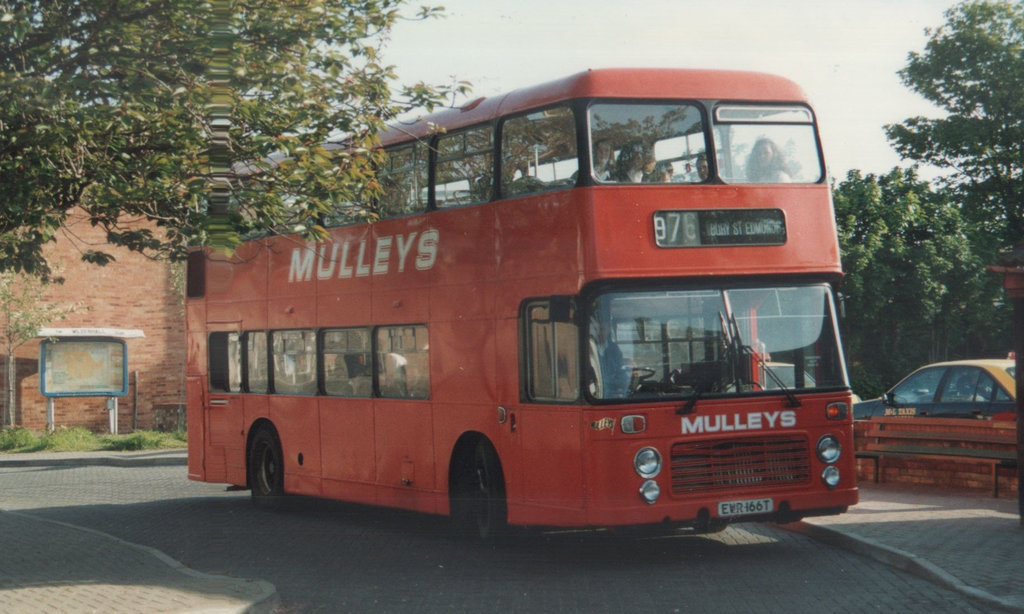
(950, 474)
(134, 292)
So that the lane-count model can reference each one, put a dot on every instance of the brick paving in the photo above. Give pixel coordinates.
(86, 571)
(50, 566)
(965, 540)
(968, 543)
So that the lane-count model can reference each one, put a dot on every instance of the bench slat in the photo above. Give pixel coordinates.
(977, 453)
(995, 438)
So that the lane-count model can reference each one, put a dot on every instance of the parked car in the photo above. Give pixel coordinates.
(958, 389)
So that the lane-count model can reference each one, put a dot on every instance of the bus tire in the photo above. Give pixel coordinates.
(266, 468)
(477, 494)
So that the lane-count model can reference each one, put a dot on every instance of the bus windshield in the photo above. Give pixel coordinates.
(766, 144)
(686, 343)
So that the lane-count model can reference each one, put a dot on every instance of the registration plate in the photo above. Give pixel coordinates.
(745, 506)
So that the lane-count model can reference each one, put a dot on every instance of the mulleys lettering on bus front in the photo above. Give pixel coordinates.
(738, 422)
(348, 259)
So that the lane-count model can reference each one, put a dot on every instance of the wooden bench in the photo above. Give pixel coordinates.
(974, 441)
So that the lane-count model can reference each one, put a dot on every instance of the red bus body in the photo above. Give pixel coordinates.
(463, 275)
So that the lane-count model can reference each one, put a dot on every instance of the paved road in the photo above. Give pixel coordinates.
(329, 557)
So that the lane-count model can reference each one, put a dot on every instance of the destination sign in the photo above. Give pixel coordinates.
(704, 228)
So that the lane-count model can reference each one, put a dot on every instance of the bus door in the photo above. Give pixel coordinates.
(548, 428)
(223, 410)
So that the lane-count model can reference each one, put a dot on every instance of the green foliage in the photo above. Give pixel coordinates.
(126, 107)
(973, 69)
(18, 439)
(916, 288)
(69, 439)
(141, 440)
(23, 311)
(917, 285)
(79, 439)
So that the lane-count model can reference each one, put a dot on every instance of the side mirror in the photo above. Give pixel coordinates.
(561, 309)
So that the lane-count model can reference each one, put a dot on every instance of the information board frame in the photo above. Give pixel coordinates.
(81, 386)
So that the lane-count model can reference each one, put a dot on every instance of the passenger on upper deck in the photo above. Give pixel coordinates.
(635, 160)
(703, 171)
(604, 160)
(766, 163)
(662, 173)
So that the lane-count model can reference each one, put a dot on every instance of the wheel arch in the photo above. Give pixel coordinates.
(462, 453)
(259, 425)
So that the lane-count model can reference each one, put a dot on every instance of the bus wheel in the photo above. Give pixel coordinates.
(266, 468)
(478, 494)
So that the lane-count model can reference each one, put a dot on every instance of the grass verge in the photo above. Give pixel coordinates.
(79, 439)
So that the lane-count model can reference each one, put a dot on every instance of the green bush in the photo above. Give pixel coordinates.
(80, 439)
(141, 440)
(18, 439)
(70, 439)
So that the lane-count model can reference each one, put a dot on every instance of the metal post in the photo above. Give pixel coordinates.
(49, 415)
(135, 401)
(1018, 348)
(112, 408)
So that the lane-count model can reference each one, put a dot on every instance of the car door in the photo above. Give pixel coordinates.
(1003, 405)
(915, 395)
(966, 392)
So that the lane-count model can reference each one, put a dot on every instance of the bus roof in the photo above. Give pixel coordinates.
(639, 83)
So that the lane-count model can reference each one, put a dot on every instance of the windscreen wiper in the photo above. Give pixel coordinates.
(690, 405)
(734, 340)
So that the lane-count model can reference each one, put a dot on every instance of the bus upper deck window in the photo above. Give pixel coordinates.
(538, 152)
(766, 144)
(647, 143)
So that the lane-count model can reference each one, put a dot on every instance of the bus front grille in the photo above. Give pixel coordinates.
(730, 464)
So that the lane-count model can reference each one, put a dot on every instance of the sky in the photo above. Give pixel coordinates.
(844, 53)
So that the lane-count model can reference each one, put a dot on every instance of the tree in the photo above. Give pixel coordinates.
(105, 105)
(23, 312)
(916, 290)
(973, 68)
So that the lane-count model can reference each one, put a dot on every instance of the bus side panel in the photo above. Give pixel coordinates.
(298, 426)
(462, 368)
(405, 453)
(540, 239)
(195, 387)
(225, 439)
(347, 448)
(552, 457)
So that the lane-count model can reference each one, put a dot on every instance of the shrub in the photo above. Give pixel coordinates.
(141, 440)
(18, 439)
(70, 439)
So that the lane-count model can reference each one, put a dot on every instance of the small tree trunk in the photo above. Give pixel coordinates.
(10, 397)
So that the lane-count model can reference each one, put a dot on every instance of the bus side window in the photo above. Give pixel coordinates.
(225, 362)
(552, 355)
(538, 152)
(403, 179)
(294, 354)
(347, 370)
(465, 167)
(403, 362)
(256, 374)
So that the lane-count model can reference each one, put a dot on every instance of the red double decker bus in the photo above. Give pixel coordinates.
(602, 301)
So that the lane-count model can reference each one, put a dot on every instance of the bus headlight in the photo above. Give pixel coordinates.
(830, 476)
(647, 462)
(829, 449)
(650, 491)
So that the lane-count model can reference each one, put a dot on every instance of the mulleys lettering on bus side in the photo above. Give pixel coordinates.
(348, 259)
(738, 422)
